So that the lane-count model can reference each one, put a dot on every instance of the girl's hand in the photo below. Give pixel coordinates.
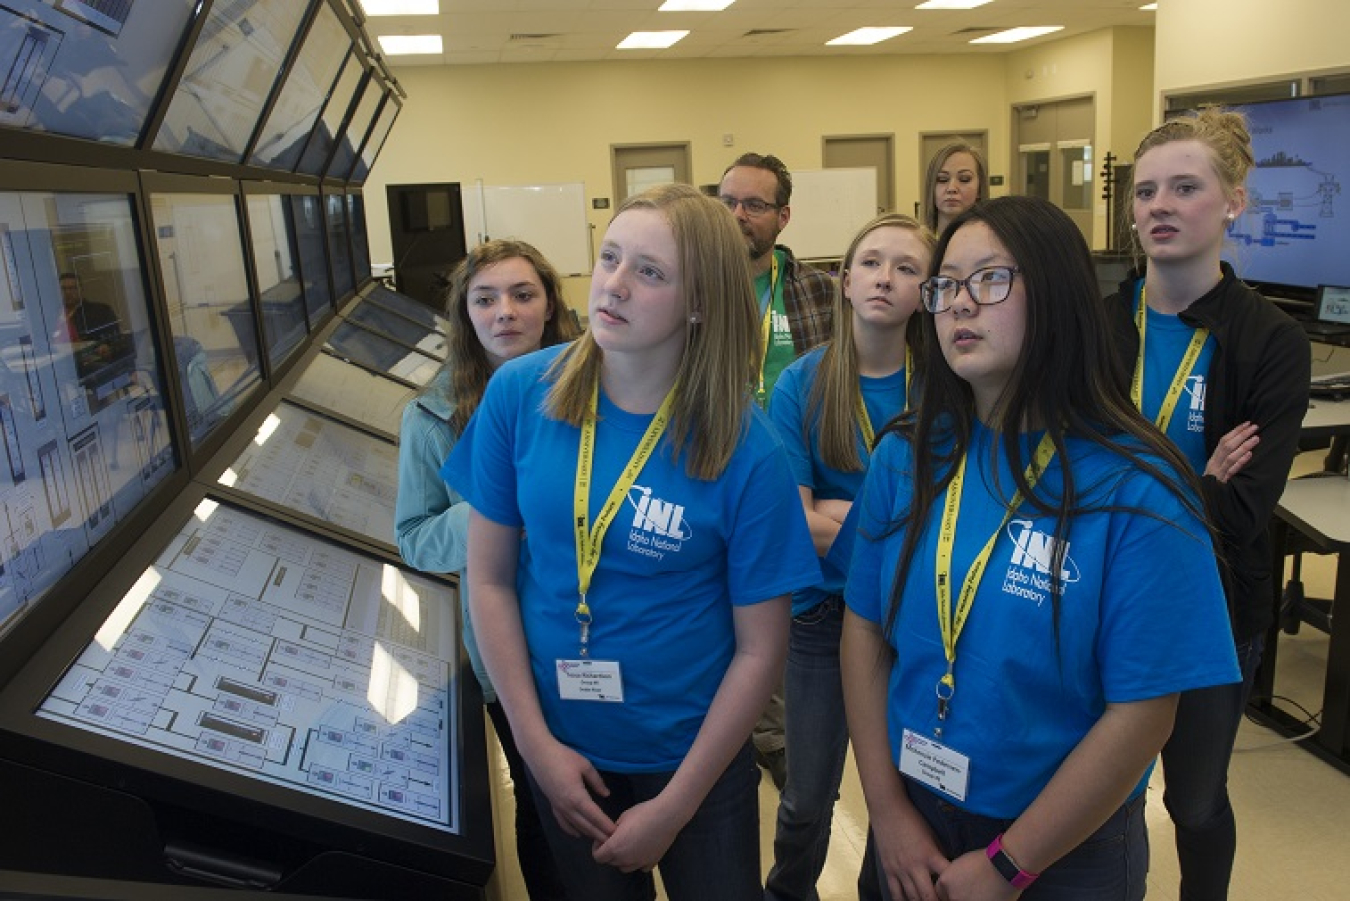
(640, 838)
(909, 855)
(971, 877)
(1233, 452)
(568, 779)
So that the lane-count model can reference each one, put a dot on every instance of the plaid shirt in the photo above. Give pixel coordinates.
(808, 300)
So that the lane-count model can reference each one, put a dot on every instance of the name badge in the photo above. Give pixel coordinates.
(934, 765)
(590, 680)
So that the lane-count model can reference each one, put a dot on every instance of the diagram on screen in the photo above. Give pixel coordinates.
(254, 648)
(1294, 227)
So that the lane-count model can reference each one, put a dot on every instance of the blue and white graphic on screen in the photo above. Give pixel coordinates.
(1296, 225)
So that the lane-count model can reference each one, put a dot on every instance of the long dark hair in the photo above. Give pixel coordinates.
(1068, 379)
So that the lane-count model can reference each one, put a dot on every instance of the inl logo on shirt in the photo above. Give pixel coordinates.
(1195, 417)
(1036, 550)
(658, 516)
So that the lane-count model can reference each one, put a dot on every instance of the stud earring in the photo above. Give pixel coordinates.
(695, 318)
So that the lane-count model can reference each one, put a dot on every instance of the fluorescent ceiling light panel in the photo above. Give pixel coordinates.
(1149, 7)
(864, 36)
(650, 40)
(699, 6)
(1013, 35)
(952, 4)
(409, 44)
(401, 7)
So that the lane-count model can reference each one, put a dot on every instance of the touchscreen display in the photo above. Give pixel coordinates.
(360, 395)
(251, 647)
(322, 468)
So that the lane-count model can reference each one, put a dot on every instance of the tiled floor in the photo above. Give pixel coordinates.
(1291, 806)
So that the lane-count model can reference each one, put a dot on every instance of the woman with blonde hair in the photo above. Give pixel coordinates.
(956, 180)
(1225, 375)
(637, 631)
(828, 407)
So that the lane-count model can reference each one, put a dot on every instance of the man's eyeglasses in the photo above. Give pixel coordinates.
(753, 205)
(985, 286)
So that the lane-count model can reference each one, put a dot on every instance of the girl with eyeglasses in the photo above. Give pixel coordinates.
(636, 632)
(1225, 375)
(1032, 583)
(828, 406)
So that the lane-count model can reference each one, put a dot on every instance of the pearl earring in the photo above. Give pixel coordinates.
(695, 318)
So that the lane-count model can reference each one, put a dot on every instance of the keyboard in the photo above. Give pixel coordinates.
(1333, 387)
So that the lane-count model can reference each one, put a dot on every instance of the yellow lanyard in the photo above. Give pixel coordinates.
(1169, 404)
(951, 511)
(588, 539)
(766, 324)
(865, 421)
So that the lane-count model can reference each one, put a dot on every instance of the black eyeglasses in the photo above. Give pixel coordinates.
(753, 205)
(985, 286)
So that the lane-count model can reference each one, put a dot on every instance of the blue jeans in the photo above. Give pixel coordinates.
(817, 744)
(1110, 865)
(715, 857)
(1195, 770)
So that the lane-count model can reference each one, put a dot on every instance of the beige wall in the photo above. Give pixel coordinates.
(1213, 43)
(555, 122)
(1113, 67)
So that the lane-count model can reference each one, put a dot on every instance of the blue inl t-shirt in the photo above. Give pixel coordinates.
(1142, 613)
(1166, 341)
(675, 561)
(884, 398)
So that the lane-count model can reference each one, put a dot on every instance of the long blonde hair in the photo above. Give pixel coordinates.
(721, 356)
(930, 210)
(1224, 134)
(833, 399)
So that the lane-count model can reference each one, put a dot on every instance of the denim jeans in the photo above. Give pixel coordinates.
(817, 744)
(715, 857)
(1195, 773)
(1110, 865)
(537, 868)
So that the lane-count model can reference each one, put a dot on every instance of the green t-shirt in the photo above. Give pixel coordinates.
(779, 350)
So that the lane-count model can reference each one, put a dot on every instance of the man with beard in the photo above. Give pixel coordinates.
(795, 303)
(794, 299)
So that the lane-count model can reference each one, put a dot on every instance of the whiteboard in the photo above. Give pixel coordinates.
(828, 208)
(551, 217)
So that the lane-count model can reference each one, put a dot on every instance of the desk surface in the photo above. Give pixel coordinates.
(1326, 418)
(1319, 507)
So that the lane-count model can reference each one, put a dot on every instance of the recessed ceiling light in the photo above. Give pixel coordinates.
(401, 7)
(409, 44)
(1013, 35)
(952, 4)
(863, 36)
(701, 6)
(1149, 7)
(650, 40)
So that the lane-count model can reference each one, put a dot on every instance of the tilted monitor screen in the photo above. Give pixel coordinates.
(229, 76)
(86, 69)
(251, 647)
(302, 97)
(82, 410)
(322, 469)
